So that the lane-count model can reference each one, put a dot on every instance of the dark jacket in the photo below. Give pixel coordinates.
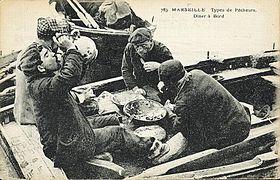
(207, 114)
(131, 65)
(65, 133)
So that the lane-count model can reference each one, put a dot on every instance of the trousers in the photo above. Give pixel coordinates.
(110, 137)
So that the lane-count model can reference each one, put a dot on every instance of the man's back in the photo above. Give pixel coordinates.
(209, 110)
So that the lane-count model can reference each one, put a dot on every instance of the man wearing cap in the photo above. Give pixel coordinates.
(205, 112)
(46, 29)
(66, 134)
(141, 59)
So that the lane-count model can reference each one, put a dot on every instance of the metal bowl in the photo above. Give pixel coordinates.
(145, 110)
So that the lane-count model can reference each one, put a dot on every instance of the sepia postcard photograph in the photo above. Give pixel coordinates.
(139, 89)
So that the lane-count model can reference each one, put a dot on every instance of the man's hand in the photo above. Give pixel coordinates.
(151, 66)
(138, 90)
(160, 86)
(65, 41)
(88, 93)
(169, 105)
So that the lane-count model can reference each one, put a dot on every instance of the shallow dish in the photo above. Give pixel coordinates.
(145, 110)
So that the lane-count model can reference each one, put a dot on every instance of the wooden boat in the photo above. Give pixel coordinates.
(248, 78)
(254, 157)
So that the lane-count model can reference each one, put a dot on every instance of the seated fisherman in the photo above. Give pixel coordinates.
(66, 134)
(141, 59)
(205, 112)
(115, 14)
(46, 29)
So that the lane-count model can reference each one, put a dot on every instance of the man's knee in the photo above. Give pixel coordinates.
(240, 132)
(103, 121)
(112, 120)
(244, 131)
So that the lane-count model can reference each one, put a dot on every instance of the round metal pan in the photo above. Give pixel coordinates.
(145, 110)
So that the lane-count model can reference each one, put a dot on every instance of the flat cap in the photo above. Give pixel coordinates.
(47, 27)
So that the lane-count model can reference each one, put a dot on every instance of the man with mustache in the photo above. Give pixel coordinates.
(141, 59)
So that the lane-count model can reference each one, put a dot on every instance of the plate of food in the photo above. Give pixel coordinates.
(122, 98)
(145, 110)
(151, 131)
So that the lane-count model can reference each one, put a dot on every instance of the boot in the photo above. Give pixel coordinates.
(158, 149)
(177, 144)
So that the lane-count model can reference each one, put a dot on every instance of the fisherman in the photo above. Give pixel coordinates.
(141, 59)
(205, 112)
(115, 14)
(66, 134)
(46, 29)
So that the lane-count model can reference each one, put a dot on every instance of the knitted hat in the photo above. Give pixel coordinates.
(171, 70)
(140, 35)
(30, 59)
(47, 27)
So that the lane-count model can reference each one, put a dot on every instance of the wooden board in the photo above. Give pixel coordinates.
(7, 171)
(8, 77)
(223, 170)
(274, 79)
(165, 167)
(242, 72)
(30, 162)
(236, 153)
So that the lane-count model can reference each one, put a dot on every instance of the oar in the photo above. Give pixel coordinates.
(164, 168)
(223, 171)
(79, 14)
(87, 15)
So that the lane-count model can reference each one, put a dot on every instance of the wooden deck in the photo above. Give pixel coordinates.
(25, 150)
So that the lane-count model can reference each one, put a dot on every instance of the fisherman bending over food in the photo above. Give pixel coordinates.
(141, 59)
(65, 133)
(205, 112)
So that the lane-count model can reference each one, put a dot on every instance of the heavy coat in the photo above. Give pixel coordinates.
(207, 114)
(23, 108)
(65, 133)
